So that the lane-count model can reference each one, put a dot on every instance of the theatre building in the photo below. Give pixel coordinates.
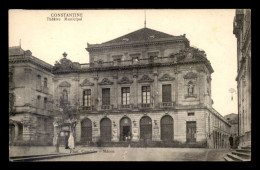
(143, 86)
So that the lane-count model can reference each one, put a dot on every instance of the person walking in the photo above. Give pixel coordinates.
(57, 142)
(71, 143)
(231, 141)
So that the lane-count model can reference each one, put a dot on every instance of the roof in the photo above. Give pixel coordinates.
(16, 50)
(140, 35)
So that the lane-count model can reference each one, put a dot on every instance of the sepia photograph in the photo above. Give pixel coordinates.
(129, 85)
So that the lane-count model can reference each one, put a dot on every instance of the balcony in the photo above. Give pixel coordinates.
(167, 104)
(86, 108)
(145, 105)
(106, 107)
(126, 106)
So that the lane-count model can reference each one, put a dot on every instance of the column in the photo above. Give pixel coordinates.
(115, 99)
(135, 83)
(155, 73)
(96, 102)
(78, 131)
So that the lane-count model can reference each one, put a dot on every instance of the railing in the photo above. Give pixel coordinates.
(166, 104)
(107, 107)
(145, 105)
(86, 108)
(126, 106)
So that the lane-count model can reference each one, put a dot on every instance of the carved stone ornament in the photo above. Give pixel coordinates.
(166, 77)
(125, 80)
(105, 81)
(86, 82)
(145, 79)
(64, 84)
(190, 75)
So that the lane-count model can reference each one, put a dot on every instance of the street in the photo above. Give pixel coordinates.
(148, 154)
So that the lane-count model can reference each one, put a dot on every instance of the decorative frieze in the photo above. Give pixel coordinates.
(65, 84)
(86, 82)
(145, 79)
(190, 75)
(166, 77)
(125, 80)
(106, 81)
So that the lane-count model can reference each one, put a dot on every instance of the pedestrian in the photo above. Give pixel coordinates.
(231, 141)
(57, 142)
(71, 143)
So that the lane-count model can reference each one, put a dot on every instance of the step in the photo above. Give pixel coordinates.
(236, 158)
(244, 150)
(48, 157)
(246, 147)
(228, 159)
(29, 156)
(242, 154)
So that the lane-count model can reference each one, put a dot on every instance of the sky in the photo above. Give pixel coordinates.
(210, 30)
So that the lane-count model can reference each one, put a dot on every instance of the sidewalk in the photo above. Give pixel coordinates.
(42, 150)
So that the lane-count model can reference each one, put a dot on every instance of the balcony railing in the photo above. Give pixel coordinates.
(166, 104)
(145, 105)
(107, 107)
(86, 108)
(126, 106)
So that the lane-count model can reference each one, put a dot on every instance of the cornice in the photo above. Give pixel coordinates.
(99, 47)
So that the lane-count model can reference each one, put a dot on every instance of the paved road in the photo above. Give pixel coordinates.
(148, 154)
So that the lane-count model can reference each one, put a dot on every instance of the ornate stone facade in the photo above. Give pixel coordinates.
(153, 86)
(242, 31)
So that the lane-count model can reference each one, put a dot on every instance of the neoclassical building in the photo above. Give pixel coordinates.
(242, 31)
(143, 86)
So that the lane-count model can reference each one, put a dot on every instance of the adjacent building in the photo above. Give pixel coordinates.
(143, 86)
(242, 31)
(233, 120)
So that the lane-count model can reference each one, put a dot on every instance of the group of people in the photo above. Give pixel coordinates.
(69, 142)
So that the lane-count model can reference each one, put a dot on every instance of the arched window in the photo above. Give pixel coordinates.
(45, 103)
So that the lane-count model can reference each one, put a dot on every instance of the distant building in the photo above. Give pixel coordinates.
(242, 31)
(146, 85)
(233, 120)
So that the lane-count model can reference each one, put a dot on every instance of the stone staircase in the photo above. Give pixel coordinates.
(243, 154)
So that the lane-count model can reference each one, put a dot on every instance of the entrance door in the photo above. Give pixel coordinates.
(167, 128)
(86, 130)
(125, 129)
(191, 131)
(105, 130)
(146, 128)
(11, 132)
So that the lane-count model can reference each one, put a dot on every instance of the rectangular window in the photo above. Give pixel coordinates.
(166, 93)
(45, 103)
(106, 96)
(125, 95)
(38, 83)
(38, 104)
(146, 94)
(87, 97)
(191, 114)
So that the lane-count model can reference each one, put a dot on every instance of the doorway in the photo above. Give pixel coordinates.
(191, 132)
(125, 129)
(105, 130)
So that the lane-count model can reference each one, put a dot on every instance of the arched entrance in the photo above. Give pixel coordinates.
(167, 128)
(146, 128)
(105, 130)
(125, 129)
(11, 133)
(86, 130)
